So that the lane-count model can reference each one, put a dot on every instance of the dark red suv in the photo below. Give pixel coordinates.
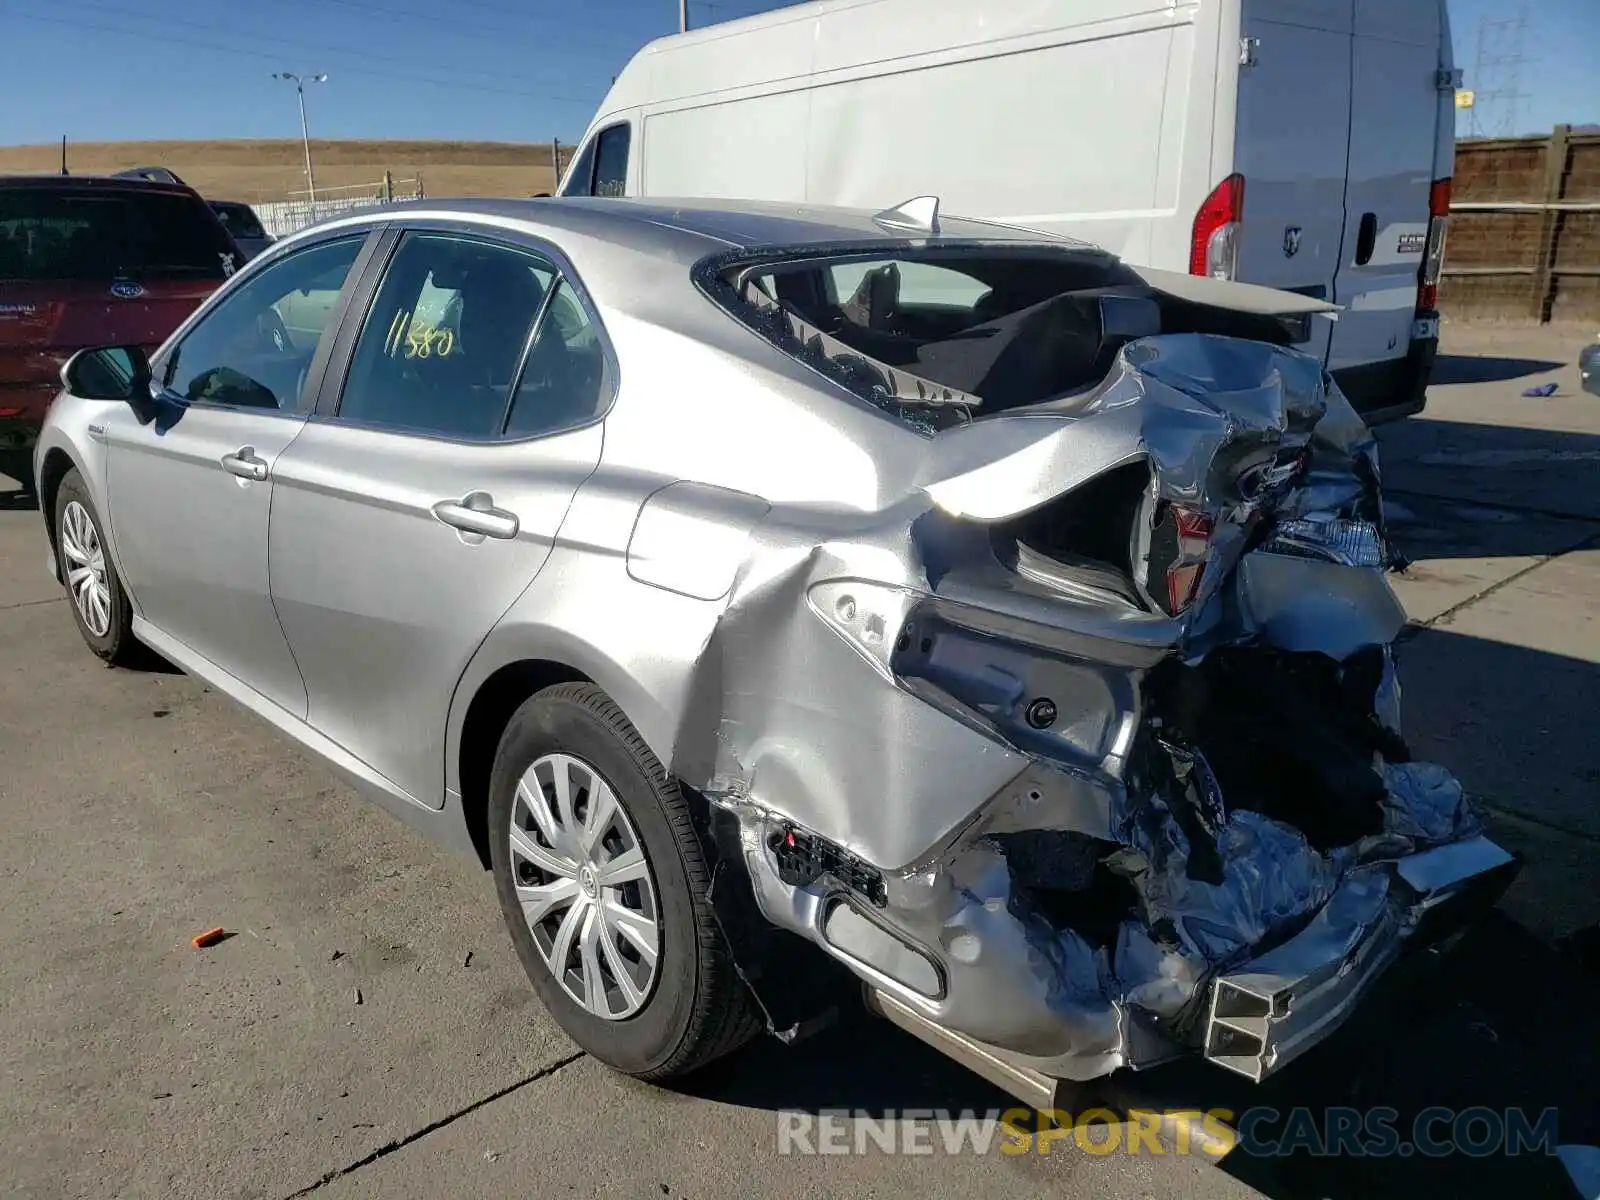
(92, 262)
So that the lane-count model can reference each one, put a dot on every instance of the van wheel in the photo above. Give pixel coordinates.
(99, 603)
(603, 884)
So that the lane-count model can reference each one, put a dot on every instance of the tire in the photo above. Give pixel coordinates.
(693, 1007)
(106, 622)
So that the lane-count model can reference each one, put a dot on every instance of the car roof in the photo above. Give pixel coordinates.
(108, 183)
(697, 226)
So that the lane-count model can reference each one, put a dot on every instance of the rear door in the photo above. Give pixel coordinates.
(1292, 143)
(425, 495)
(1394, 112)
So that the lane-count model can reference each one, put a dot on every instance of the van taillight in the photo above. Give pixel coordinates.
(1214, 248)
(1433, 256)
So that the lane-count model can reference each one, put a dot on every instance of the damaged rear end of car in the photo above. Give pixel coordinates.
(1086, 753)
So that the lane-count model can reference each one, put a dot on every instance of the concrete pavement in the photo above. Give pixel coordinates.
(343, 1043)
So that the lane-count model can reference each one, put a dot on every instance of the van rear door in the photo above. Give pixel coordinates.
(1291, 144)
(1394, 113)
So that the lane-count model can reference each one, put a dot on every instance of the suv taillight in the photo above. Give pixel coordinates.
(1433, 256)
(1214, 247)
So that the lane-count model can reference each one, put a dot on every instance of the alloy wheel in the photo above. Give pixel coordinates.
(585, 886)
(86, 568)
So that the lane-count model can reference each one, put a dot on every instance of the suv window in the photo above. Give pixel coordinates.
(255, 347)
(563, 383)
(239, 219)
(611, 161)
(445, 336)
(109, 233)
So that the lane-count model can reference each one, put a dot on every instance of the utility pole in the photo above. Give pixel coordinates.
(683, 16)
(300, 82)
(1497, 76)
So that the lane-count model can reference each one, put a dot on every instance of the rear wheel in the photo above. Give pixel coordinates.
(602, 881)
(99, 604)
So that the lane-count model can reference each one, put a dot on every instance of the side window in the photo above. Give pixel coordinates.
(564, 381)
(580, 176)
(442, 342)
(611, 161)
(255, 347)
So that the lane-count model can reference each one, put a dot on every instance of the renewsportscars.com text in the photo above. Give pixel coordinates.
(1264, 1132)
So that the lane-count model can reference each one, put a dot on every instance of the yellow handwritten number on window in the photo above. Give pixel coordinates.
(421, 340)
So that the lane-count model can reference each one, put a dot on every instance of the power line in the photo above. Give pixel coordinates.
(316, 47)
(431, 20)
(409, 76)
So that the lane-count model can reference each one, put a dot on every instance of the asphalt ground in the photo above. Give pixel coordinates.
(367, 1030)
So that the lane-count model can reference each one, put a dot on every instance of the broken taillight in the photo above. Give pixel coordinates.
(1194, 543)
(1433, 256)
(1180, 543)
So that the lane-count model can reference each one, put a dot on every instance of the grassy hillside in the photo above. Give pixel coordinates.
(270, 170)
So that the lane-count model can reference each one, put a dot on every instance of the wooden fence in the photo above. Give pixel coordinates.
(1525, 229)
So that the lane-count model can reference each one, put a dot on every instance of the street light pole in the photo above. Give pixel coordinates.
(305, 134)
(683, 16)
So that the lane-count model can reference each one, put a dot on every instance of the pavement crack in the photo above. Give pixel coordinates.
(1413, 628)
(401, 1143)
(29, 603)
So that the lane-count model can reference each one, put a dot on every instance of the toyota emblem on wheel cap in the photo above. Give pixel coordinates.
(1291, 241)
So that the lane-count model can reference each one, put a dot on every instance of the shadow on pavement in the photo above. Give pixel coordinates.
(1502, 1024)
(1484, 368)
(1520, 466)
(17, 500)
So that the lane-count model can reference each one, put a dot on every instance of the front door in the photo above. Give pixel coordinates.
(190, 492)
(408, 519)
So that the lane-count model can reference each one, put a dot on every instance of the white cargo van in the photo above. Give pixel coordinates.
(1302, 144)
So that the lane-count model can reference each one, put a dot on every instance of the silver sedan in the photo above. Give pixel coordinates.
(781, 600)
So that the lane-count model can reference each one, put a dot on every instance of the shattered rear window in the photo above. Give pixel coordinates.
(937, 336)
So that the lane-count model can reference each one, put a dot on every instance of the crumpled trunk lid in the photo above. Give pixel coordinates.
(1222, 442)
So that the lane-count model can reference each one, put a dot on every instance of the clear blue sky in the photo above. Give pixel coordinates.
(514, 70)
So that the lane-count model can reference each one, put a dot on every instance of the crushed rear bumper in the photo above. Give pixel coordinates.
(1271, 1010)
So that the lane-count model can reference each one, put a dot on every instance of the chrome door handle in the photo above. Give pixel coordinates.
(244, 463)
(475, 513)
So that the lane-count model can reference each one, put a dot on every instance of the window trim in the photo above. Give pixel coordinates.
(331, 397)
(305, 402)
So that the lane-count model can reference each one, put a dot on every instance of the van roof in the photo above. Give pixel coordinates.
(932, 22)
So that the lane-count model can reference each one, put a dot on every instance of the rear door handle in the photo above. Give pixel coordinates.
(475, 513)
(1366, 238)
(245, 463)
